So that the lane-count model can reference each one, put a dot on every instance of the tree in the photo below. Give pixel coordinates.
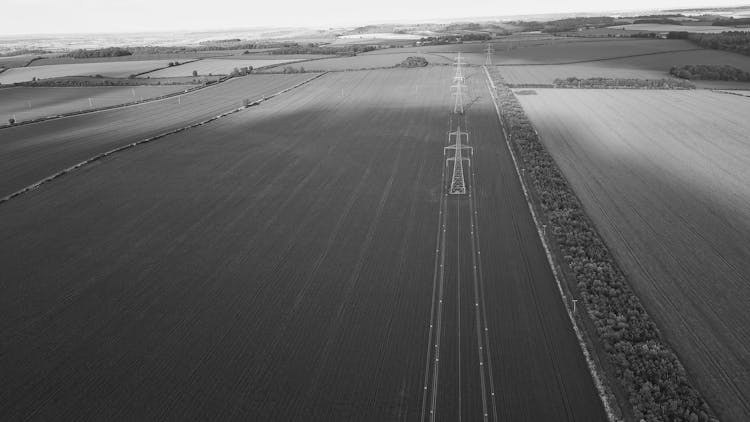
(195, 73)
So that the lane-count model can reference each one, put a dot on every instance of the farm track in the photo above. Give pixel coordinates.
(279, 265)
(476, 347)
(32, 154)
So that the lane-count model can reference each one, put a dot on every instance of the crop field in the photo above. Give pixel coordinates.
(28, 103)
(212, 66)
(169, 57)
(284, 263)
(546, 74)
(561, 50)
(15, 61)
(654, 66)
(663, 175)
(705, 29)
(366, 61)
(113, 69)
(262, 54)
(30, 153)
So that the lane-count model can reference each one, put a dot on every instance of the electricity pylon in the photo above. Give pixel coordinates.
(458, 79)
(490, 50)
(458, 186)
(459, 72)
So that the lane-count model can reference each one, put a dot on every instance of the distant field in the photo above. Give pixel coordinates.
(26, 103)
(390, 58)
(546, 74)
(553, 50)
(706, 29)
(646, 67)
(15, 61)
(121, 69)
(212, 66)
(663, 175)
(266, 56)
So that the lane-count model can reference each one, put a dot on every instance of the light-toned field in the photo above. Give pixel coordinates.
(664, 176)
(120, 69)
(27, 103)
(705, 29)
(213, 66)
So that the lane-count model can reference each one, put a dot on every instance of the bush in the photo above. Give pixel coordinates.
(414, 62)
(652, 376)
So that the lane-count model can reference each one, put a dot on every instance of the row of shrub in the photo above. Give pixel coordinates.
(711, 72)
(628, 83)
(100, 52)
(312, 48)
(95, 81)
(649, 371)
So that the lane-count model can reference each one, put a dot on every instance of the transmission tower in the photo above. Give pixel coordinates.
(458, 186)
(459, 72)
(490, 50)
(458, 79)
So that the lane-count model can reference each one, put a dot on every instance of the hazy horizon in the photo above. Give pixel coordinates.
(143, 16)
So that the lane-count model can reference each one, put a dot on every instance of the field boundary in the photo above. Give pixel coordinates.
(605, 395)
(167, 67)
(102, 155)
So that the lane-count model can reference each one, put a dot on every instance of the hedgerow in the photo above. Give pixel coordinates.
(623, 83)
(652, 376)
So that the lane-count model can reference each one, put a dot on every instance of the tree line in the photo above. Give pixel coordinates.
(735, 41)
(100, 52)
(710, 72)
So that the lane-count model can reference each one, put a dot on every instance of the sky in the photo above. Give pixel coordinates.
(89, 16)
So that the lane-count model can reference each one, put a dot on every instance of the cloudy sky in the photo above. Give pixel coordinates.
(81, 16)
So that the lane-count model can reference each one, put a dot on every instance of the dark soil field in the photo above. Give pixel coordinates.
(515, 50)
(281, 264)
(32, 152)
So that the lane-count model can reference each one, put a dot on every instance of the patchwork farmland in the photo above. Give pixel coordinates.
(296, 255)
(366, 241)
